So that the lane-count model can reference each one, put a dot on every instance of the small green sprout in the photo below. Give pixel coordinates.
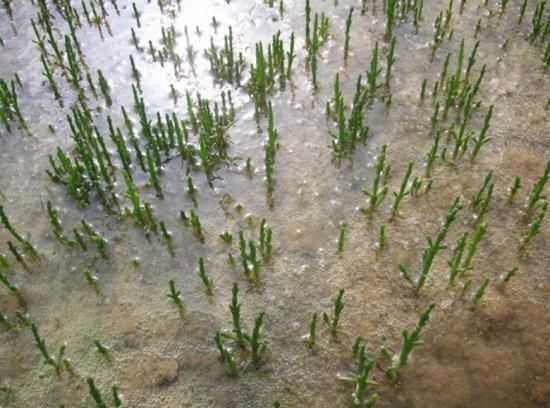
(13, 249)
(534, 228)
(341, 238)
(308, 22)
(24, 318)
(265, 239)
(174, 295)
(227, 237)
(116, 399)
(509, 275)
(465, 288)
(98, 240)
(104, 87)
(382, 238)
(472, 248)
(484, 205)
(311, 339)
(196, 226)
(389, 64)
(257, 345)
(69, 367)
(536, 194)
(244, 255)
(91, 280)
(480, 292)
(405, 273)
(378, 192)
(410, 341)
(423, 89)
(165, 234)
(235, 308)
(135, 72)
(403, 192)
(416, 186)
(41, 346)
(434, 246)
(522, 11)
(347, 36)
(432, 155)
(79, 239)
(514, 189)
(95, 394)
(9, 285)
(373, 72)
(253, 258)
(136, 14)
(204, 277)
(333, 321)
(482, 139)
(359, 379)
(455, 261)
(226, 356)
(27, 246)
(101, 349)
(477, 199)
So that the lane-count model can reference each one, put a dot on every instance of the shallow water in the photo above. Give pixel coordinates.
(494, 355)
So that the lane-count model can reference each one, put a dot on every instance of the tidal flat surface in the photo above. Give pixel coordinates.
(484, 67)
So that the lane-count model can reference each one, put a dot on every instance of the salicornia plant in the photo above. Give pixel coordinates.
(410, 341)
(534, 227)
(434, 246)
(379, 189)
(311, 339)
(333, 322)
(174, 295)
(208, 285)
(402, 193)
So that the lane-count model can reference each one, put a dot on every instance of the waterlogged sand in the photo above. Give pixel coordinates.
(494, 355)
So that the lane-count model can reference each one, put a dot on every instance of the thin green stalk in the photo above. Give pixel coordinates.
(226, 356)
(341, 238)
(509, 275)
(389, 63)
(411, 340)
(482, 139)
(472, 248)
(27, 246)
(95, 394)
(403, 192)
(333, 321)
(514, 189)
(235, 309)
(208, 285)
(378, 192)
(101, 349)
(311, 339)
(536, 194)
(41, 346)
(174, 295)
(480, 292)
(534, 228)
(347, 34)
(455, 262)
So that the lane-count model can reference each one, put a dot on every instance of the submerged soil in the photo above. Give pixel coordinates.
(492, 355)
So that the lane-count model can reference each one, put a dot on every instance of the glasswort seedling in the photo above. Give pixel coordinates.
(333, 321)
